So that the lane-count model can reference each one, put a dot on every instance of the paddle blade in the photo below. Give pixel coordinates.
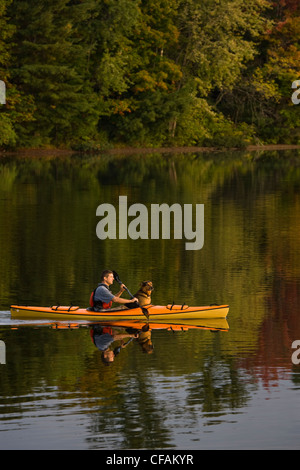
(116, 277)
(145, 312)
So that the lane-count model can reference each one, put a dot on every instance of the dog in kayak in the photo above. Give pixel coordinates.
(144, 293)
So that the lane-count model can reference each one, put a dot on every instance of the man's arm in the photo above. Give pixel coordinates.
(118, 300)
(121, 291)
(123, 301)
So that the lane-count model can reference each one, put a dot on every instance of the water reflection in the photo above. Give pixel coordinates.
(177, 396)
(111, 339)
(201, 383)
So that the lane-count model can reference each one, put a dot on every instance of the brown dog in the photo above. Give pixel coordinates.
(144, 293)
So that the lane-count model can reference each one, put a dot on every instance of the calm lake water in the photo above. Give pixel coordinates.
(212, 387)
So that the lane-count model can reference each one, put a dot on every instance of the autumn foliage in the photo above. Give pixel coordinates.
(89, 74)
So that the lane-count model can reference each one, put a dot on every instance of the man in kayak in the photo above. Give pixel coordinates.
(102, 296)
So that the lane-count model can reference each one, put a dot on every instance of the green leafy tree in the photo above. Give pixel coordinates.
(217, 41)
(50, 65)
(282, 67)
(134, 75)
(7, 133)
(263, 97)
(84, 73)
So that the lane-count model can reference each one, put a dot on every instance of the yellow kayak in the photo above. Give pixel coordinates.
(155, 312)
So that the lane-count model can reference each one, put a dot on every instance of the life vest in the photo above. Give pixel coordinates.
(105, 329)
(99, 303)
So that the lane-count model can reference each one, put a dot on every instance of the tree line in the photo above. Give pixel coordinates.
(89, 74)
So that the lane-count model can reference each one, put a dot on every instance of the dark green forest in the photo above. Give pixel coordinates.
(94, 74)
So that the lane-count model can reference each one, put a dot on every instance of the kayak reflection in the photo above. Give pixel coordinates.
(111, 340)
(111, 337)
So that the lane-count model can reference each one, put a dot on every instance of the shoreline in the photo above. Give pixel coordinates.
(39, 152)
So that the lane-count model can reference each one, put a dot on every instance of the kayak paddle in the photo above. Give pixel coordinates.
(144, 310)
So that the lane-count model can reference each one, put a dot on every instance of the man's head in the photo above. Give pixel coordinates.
(108, 357)
(107, 277)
